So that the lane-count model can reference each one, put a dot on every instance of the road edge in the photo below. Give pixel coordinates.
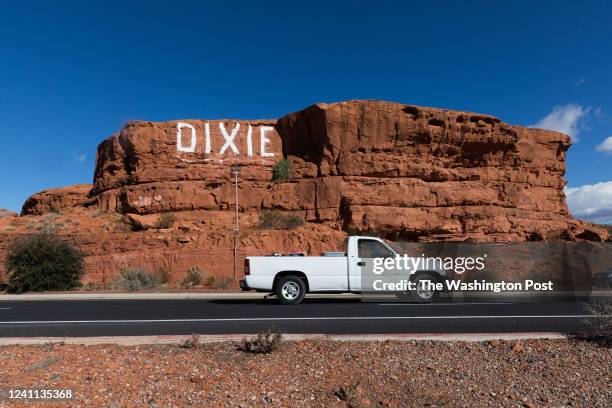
(458, 298)
(177, 339)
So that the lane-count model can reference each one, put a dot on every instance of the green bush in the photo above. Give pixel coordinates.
(278, 220)
(194, 277)
(165, 221)
(281, 171)
(43, 262)
(138, 279)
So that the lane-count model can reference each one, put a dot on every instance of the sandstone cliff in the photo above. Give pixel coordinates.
(417, 173)
(58, 200)
(401, 171)
(407, 172)
(6, 213)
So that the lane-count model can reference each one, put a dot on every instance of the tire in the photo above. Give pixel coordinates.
(290, 290)
(422, 295)
(417, 296)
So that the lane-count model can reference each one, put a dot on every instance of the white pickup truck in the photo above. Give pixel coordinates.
(292, 277)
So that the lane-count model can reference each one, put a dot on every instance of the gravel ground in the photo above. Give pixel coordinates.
(535, 373)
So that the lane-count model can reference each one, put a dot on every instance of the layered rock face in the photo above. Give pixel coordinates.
(185, 166)
(424, 174)
(404, 172)
(58, 200)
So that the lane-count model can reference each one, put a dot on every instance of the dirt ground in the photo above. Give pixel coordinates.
(534, 373)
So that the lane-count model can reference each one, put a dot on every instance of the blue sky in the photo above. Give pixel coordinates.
(72, 73)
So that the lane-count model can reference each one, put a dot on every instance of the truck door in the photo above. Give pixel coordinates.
(361, 258)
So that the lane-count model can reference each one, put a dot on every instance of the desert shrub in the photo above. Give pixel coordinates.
(121, 224)
(137, 279)
(192, 342)
(162, 275)
(370, 232)
(600, 325)
(266, 342)
(349, 394)
(224, 283)
(281, 171)
(210, 281)
(194, 277)
(278, 220)
(90, 286)
(43, 262)
(165, 220)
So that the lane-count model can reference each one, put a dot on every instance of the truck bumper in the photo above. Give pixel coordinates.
(243, 285)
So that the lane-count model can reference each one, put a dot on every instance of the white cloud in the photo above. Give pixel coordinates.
(79, 157)
(605, 146)
(592, 202)
(565, 119)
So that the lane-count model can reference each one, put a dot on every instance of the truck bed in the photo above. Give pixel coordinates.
(330, 272)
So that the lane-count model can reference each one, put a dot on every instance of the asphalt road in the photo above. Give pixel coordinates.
(174, 317)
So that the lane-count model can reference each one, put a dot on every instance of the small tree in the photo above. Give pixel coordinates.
(43, 262)
(281, 171)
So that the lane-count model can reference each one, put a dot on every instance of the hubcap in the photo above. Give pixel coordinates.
(423, 292)
(290, 290)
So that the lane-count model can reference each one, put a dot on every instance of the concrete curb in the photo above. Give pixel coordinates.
(131, 296)
(158, 296)
(166, 340)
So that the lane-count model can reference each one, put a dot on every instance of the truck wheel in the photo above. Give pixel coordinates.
(423, 294)
(290, 290)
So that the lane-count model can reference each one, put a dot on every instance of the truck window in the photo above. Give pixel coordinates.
(369, 248)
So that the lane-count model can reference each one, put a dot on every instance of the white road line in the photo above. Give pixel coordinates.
(266, 319)
(445, 304)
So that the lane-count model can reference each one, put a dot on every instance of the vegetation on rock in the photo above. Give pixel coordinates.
(278, 220)
(165, 220)
(281, 171)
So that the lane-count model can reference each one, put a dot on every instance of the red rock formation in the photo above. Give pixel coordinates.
(194, 241)
(57, 200)
(141, 170)
(427, 174)
(405, 171)
(402, 171)
(6, 213)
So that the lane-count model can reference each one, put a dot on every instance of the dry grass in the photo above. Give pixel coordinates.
(266, 342)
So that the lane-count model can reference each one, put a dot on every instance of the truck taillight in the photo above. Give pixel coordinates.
(247, 267)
